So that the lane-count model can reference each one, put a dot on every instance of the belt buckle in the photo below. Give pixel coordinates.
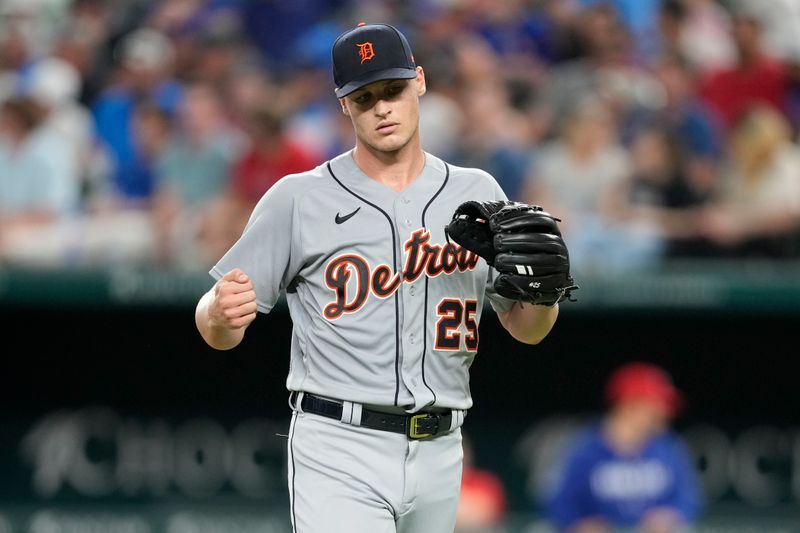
(413, 430)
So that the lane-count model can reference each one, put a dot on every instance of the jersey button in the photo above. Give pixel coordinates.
(406, 200)
(411, 338)
(408, 222)
(412, 290)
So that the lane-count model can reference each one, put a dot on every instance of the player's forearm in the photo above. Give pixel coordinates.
(217, 336)
(529, 323)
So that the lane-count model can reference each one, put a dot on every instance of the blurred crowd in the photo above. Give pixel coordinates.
(144, 131)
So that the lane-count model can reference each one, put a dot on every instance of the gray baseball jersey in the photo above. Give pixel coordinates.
(385, 310)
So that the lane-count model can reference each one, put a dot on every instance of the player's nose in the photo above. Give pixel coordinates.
(382, 108)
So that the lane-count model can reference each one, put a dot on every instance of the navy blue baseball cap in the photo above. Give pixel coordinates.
(369, 53)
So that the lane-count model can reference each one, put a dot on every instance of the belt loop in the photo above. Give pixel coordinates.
(351, 413)
(457, 419)
(298, 401)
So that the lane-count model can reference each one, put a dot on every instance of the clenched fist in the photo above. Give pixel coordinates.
(233, 302)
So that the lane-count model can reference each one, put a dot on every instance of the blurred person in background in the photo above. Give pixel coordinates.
(606, 67)
(641, 20)
(494, 134)
(662, 188)
(628, 470)
(268, 156)
(117, 228)
(287, 23)
(583, 176)
(780, 20)
(677, 151)
(248, 87)
(685, 115)
(484, 501)
(757, 77)
(55, 85)
(757, 209)
(701, 33)
(191, 173)
(28, 29)
(144, 74)
(37, 189)
(86, 41)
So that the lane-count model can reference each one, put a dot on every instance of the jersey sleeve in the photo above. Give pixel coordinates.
(571, 499)
(500, 304)
(269, 250)
(686, 497)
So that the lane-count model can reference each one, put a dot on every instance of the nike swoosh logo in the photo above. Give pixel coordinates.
(343, 219)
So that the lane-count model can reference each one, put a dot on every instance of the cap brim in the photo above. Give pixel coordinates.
(378, 75)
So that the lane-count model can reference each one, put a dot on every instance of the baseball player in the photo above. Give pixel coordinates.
(385, 308)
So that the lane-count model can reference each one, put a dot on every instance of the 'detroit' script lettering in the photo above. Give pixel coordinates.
(352, 280)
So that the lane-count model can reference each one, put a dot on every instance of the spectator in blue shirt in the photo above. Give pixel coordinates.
(628, 471)
(145, 76)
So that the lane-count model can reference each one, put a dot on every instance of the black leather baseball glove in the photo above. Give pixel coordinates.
(522, 242)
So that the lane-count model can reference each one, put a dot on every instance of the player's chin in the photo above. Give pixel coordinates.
(389, 143)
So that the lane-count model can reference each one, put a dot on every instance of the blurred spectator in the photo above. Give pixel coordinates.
(757, 212)
(606, 68)
(705, 35)
(36, 190)
(756, 77)
(676, 151)
(657, 177)
(781, 26)
(247, 87)
(512, 31)
(192, 171)
(662, 189)
(671, 18)
(582, 177)
(483, 504)
(494, 133)
(751, 209)
(56, 85)
(545, 29)
(145, 75)
(309, 113)
(28, 29)
(781, 23)
(641, 19)
(441, 123)
(684, 114)
(493, 137)
(278, 46)
(117, 229)
(269, 156)
(628, 470)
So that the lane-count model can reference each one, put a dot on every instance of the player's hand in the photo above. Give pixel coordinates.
(233, 305)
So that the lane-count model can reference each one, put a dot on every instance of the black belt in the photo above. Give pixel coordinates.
(416, 426)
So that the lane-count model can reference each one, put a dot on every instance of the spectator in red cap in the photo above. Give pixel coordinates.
(628, 470)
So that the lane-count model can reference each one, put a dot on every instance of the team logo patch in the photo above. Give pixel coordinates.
(365, 51)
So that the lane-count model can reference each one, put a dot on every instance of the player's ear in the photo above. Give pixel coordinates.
(420, 82)
(343, 103)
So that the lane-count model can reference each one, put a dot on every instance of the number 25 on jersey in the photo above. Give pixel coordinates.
(452, 313)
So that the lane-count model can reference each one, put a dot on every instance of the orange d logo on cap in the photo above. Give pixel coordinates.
(365, 51)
